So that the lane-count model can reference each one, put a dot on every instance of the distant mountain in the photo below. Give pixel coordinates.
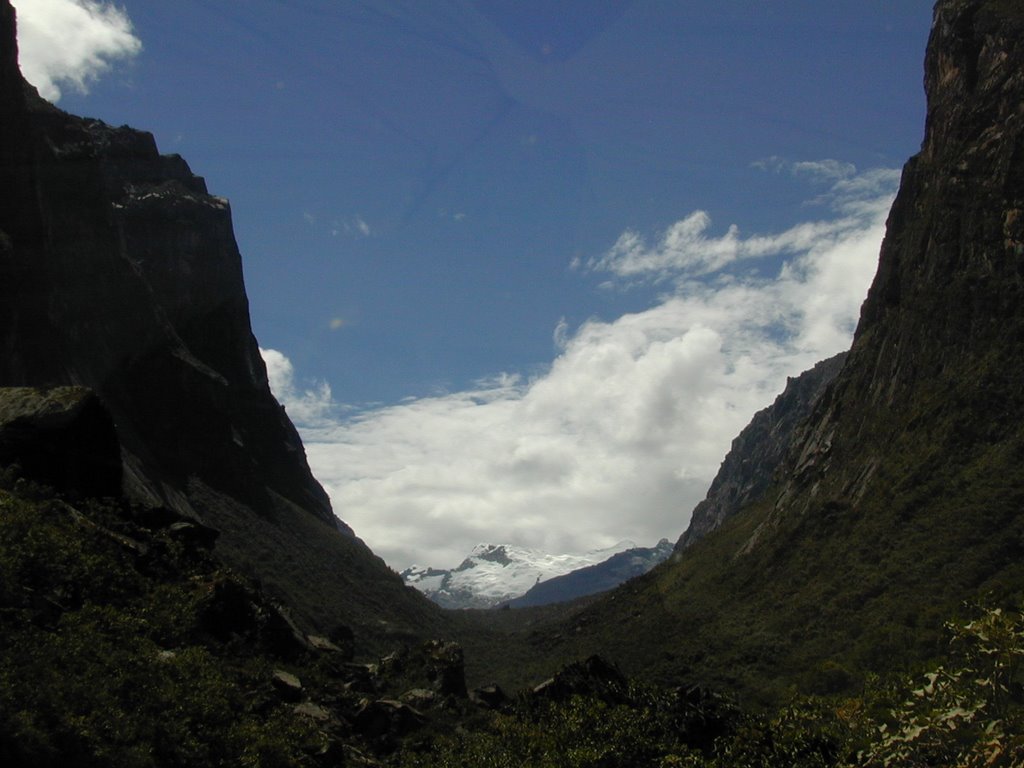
(496, 573)
(119, 272)
(592, 579)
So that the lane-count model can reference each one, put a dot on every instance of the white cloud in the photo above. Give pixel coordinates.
(827, 170)
(304, 405)
(71, 42)
(683, 247)
(622, 435)
(686, 251)
(560, 336)
(354, 226)
(824, 170)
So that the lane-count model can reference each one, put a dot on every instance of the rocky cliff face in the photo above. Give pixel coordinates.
(935, 367)
(120, 272)
(62, 437)
(902, 495)
(757, 454)
(123, 275)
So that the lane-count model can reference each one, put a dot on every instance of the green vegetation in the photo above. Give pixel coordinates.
(969, 712)
(829, 594)
(646, 729)
(114, 653)
(103, 662)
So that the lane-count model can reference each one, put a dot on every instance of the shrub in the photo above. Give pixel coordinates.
(969, 711)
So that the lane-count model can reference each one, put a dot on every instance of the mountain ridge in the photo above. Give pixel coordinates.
(494, 574)
(759, 451)
(596, 578)
(120, 272)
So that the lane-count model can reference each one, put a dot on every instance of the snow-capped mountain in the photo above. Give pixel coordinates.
(496, 573)
(590, 580)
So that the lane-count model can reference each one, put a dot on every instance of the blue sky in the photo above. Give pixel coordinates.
(522, 269)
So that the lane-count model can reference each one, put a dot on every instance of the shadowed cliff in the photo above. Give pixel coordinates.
(119, 272)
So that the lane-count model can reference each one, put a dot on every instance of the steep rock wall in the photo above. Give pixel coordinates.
(937, 358)
(759, 451)
(119, 272)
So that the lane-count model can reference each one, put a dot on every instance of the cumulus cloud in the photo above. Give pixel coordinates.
(621, 436)
(305, 405)
(71, 42)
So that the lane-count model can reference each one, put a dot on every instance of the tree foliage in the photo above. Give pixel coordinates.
(969, 711)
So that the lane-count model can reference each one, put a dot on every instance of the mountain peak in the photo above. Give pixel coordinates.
(496, 573)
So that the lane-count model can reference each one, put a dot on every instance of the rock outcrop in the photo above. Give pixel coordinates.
(935, 368)
(595, 677)
(120, 272)
(756, 455)
(61, 437)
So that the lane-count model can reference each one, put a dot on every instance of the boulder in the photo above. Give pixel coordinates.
(361, 678)
(313, 711)
(322, 644)
(228, 610)
(62, 437)
(342, 637)
(420, 698)
(193, 534)
(234, 611)
(594, 677)
(393, 664)
(279, 634)
(490, 697)
(288, 686)
(385, 720)
(445, 667)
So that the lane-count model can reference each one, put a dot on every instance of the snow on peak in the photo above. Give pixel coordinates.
(495, 573)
